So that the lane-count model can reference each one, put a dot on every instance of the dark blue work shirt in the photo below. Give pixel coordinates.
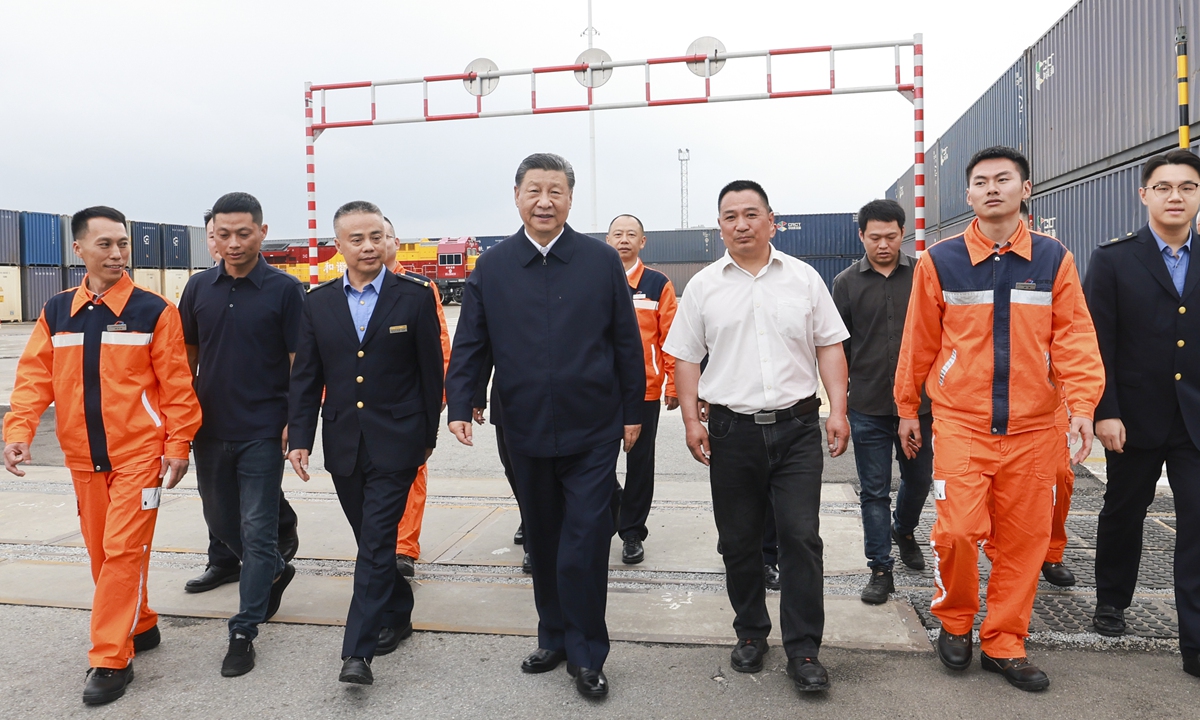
(245, 329)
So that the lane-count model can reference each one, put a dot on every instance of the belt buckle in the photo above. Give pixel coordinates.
(764, 418)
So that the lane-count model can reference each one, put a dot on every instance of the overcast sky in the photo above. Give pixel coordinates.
(157, 108)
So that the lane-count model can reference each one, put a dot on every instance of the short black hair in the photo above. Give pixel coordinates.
(1024, 208)
(79, 221)
(999, 152)
(1178, 156)
(740, 186)
(355, 207)
(884, 211)
(207, 217)
(635, 219)
(389, 222)
(546, 161)
(238, 202)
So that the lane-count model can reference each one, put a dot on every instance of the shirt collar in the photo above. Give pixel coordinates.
(865, 264)
(981, 247)
(634, 274)
(544, 251)
(256, 274)
(1163, 247)
(115, 297)
(727, 260)
(377, 283)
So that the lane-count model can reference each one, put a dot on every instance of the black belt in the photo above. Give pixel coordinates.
(804, 407)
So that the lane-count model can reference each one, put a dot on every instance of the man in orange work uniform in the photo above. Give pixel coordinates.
(996, 325)
(110, 356)
(408, 532)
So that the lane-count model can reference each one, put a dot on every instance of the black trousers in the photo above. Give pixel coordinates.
(502, 451)
(1132, 476)
(373, 502)
(638, 493)
(221, 556)
(566, 504)
(751, 467)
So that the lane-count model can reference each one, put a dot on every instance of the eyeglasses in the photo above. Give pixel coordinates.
(1186, 190)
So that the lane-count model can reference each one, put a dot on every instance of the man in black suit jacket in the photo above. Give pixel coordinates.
(1142, 292)
(554, 309)
(370, 342)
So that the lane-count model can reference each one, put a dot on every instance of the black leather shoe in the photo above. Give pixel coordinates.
(277, 588)
(389, 639)
(148, 640)
(879, 587)
(406, 565)
(1191, 665)
(954, 650)
(212, 577)
(1058, 574)
(519, 535)
(542, 660)
(1109, 621)
(1019, 672)
(288, 543)
(808, 674)
(633, 553)
(104, 685)
(527, 564)
(747, 655)
(910, 551)
(771, 576)
(240, 658)
(589, 683)
(356, 671)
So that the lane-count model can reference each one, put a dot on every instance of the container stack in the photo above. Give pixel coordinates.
(146, 255)
(10, 262)
(41, 261)
(176, 251)
(199, 257)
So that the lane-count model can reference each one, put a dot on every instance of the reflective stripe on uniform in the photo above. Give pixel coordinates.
(67, 339)
(973, 297)
(125, 338)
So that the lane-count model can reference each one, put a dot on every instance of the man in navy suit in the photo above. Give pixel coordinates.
(369, 341)
(553, 307)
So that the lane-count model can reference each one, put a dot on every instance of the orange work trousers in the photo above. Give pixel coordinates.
(117, 512)
(408, 532)
(1064, 486)
(998, 489)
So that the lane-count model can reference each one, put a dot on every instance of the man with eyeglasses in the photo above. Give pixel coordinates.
(1142, 293)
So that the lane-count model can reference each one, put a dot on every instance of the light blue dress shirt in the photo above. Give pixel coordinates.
(1177, 265)
(362, 304)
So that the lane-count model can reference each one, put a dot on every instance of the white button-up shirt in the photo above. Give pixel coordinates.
(760, 332)
(544, 249)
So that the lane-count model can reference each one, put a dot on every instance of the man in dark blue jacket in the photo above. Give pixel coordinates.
(554, 309)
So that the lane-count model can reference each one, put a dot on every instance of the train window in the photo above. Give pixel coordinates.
(450, 259)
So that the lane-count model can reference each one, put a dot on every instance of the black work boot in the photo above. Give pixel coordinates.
(877, 589)
(105, 684)
(954, 650)
(910, 551)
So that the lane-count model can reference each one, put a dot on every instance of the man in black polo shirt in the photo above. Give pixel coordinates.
(241, 321)
(872, 297)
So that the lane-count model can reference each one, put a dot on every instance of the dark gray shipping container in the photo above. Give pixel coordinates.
(73, 276)
(198, 248)
(40, 240)
(146, 248)
(679, 273)
(69, 258)
(817, 234)
(933, 189)
(1103, 86)
(683, 246)
(999, 117)
(829, 267)
(10, 237)
(175, 247)
(486, 242)
(902, 192)
(38, 284)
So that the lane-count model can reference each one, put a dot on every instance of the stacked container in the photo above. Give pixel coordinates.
(146, 255)
(69, 258)
(41, 260)
(10, 272)
(198, 249)
(73, 276)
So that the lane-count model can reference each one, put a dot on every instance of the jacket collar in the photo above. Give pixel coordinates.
(115, 297)
(563, 248)
(635, 276)
(981, 247)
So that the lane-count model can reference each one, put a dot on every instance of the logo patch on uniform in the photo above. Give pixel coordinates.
(151, 497)
(1027, 286)
(398, 329)
(939, 489)
(120, 326)
(639, 296)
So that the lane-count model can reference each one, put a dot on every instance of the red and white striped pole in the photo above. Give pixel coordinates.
(919, 142)
(309, 148)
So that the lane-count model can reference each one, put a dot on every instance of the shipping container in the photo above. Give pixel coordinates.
(958, 227)
(679, 273)
(999, 117)
(69, 258)
(933, 184)
(174, 280)
(10, 237)
(902, 192)
(10, 294)
(40, 241)
(149, 279)
(700, 245)
(73, 276)
(829, 267)
(816, 234)
(146, 246)
(39, 284)
(1103, 86)
(488, 241)
(198, 248)
(176, 248)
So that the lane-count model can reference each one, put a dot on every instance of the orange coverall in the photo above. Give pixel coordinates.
(655, 307)
(992, 334)
(116, 369)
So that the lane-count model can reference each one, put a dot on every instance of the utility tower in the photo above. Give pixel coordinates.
(684, 156)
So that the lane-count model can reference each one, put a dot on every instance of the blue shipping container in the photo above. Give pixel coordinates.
(10, 237)
(146, 251)
(176, 248)
(40, 240)
(902, 192)
(486, 242)
(816, 235)
(39, 284)
(73, 276)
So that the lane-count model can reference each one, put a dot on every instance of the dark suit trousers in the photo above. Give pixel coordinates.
(1132, 476)
(374, 501)
(221, 556)
(566, 503)
(638, 493)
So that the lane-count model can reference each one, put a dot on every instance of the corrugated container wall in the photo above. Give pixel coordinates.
(958, 227)
(38, 284)
(10, 294)
(1103, 86)
(679, 273)
(817, 234)
(933, 184)
(73, 276)
(176, 246)
(10, 237)
(69, 258)
(198, 247)
(40, 241)
(902, 192)
(686, 246)
(999, 117)
(829, 267)
(146, 251)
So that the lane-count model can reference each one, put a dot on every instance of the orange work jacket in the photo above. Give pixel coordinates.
(655, 303)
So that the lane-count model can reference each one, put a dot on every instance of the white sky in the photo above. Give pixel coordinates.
(157, 108)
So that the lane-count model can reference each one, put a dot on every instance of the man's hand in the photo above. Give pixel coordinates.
(14, 455)
(697, 441)
(631, 435)
(837, 434)
(1110, 432)
(1082, 427)
(428, 452)
(462, 431)
(910, 437)
(477, 413)
(672, 403)
(702, 410)
(299, 459)
(285, 451)
(178, 468)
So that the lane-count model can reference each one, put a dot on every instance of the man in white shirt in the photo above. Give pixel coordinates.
(768, 325)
